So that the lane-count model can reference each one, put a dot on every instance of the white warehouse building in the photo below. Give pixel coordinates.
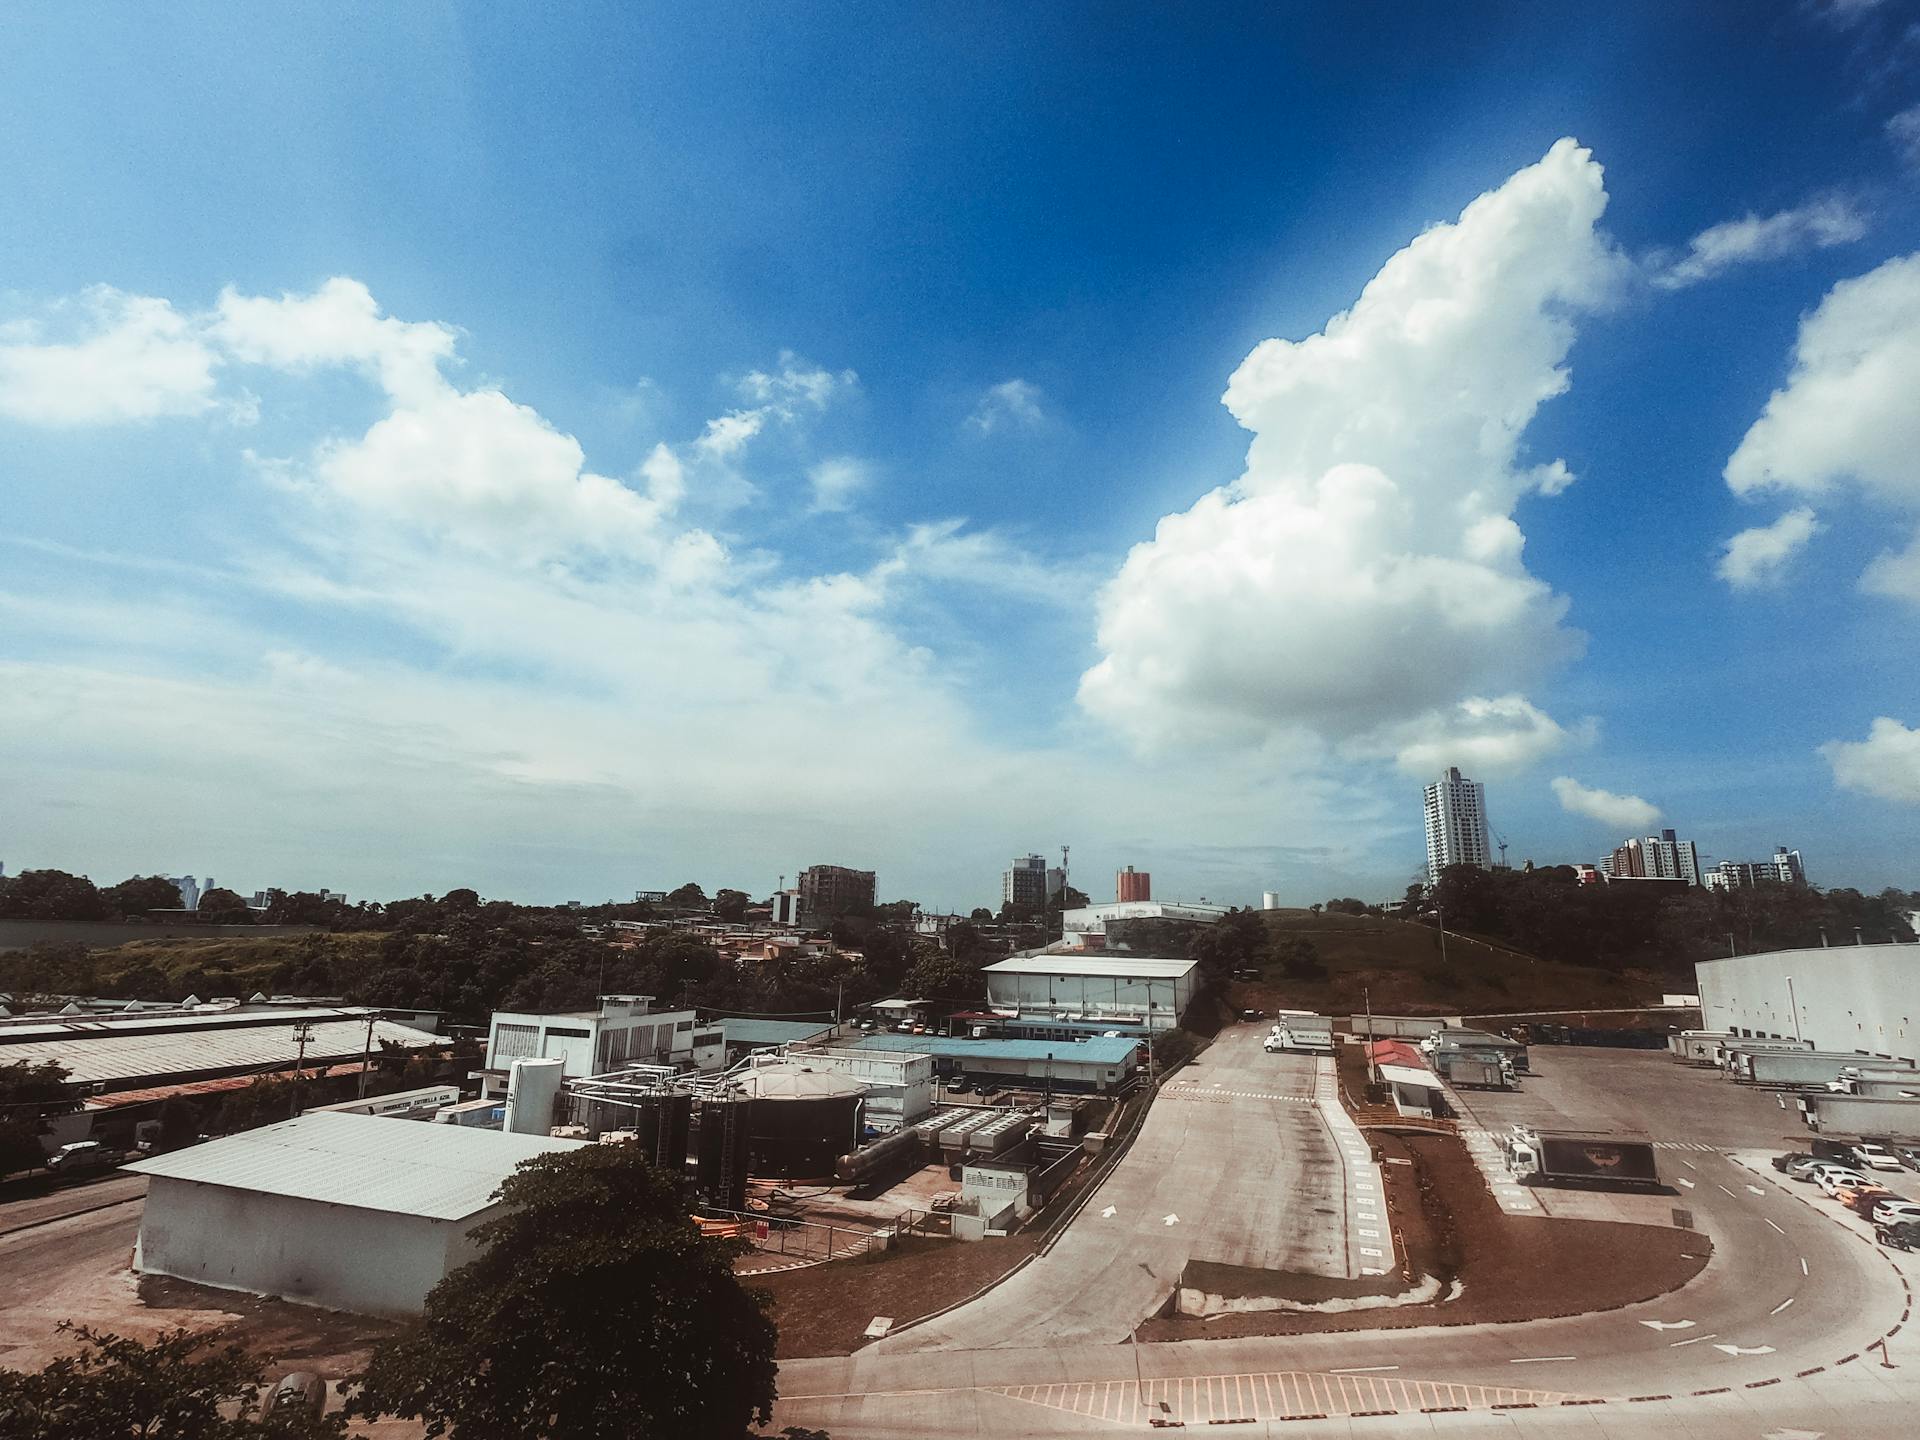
(1093, 986)
(1863, 999)
(350, 1212)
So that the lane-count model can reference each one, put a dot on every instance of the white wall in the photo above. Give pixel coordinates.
(1850, 998)
(1081, 994)
(368, 1261)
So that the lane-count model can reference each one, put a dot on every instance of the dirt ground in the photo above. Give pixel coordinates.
(825, 1310)
(1508, 1267)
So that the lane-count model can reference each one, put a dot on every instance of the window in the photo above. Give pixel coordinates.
(516, 1042)
(684, 1025)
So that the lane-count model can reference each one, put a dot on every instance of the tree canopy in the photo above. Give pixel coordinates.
(30, 1094)
(595, 1310)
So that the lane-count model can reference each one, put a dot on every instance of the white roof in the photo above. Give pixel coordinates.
(1101, 965)
(403, 1167)
(1408, 1075)
(141, 1050)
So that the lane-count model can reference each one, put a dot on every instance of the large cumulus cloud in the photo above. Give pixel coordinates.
(1363, 581)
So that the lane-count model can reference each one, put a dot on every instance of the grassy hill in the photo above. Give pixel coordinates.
(1400, 963)
(169, 968)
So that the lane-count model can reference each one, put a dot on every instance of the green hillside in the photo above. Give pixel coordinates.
(170, 968)
(1401, 965)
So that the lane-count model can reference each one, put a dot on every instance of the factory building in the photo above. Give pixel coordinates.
(349, 1212)
(624, 1030)
(745, 1037)
(1858, 999)
(1100, 1064)
(899, 1083)
(1084, 986)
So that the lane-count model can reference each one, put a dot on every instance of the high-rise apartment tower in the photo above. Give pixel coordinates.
(1457, 834)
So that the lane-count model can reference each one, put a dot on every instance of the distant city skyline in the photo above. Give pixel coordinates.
(707, 438)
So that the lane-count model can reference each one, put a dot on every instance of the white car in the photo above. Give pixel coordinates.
(1895, 1212)
(1875, 1157)
(1834, 1177)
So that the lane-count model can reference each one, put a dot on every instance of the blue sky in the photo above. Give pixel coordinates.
(443, 446)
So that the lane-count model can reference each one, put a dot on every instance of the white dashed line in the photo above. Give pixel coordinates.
(1803, 1259)
(1777, 1228)
(1542, 1359)
(1363, 1369)
(1782, 1305)
(1676, 1344)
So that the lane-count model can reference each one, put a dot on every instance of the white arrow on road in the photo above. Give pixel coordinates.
(1668, 1324)
(1755, 1190)
(1745, 1350)
(1794, 1435)
(1108, 1213)
(1686, 1182)
(1171, 1220)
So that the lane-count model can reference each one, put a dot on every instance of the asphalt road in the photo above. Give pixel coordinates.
(1775, 1329)
(28, 1203)
(1232, 1164)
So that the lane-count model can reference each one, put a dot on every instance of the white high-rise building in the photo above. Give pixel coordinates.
(1457, 832)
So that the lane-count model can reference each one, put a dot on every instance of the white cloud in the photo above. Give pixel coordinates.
(1619, 812)
(338, 324)
(133, 358)
(727, 435)
(1848, 415)
(1364, 574)
(1488, 736)
(835, 482)
(1904, 131)
(946, 550)
(1820, 224)
(1758, 556)
(1886, 764)
(794, 382)
(1011, 405)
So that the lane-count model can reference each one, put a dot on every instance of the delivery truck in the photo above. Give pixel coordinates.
(1721, 1049)
(1584, 1157)
(1300, 1030)
(1884, 1119)
(1808, 1068)
(1476, 1071)
(1877, 1084)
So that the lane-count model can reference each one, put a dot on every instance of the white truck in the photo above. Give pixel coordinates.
(1300, 1031)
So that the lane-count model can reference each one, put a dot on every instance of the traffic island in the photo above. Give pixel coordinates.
(1462, 1261)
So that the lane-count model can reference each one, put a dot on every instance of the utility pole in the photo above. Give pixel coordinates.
(366, 1057)
(1441, 911)
(302, 1033)
(1373, 1066)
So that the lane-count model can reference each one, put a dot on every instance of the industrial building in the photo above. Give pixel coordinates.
(744, 1037)
(1860, 999)
(350, 1212)
(625, 1029)
(1092, 986)
(1099, 1064)
(898, 1082)
(1132, 884)
(1110, 919)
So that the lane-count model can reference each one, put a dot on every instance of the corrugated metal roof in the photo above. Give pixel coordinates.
(142, 1055)
(402, 1167)
(1082, 1052)
(772, 1032)
(1099, 967)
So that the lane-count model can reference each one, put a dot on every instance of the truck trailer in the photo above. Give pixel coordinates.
(1458, 1069)
(1301, 1031)
(1812, 1068)
(1718, 1050)
(1885, 1119)
(1593, 1157)
(1878, 1084)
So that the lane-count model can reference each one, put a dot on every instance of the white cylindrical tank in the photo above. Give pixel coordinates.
(1269, 899)
(532, 1088)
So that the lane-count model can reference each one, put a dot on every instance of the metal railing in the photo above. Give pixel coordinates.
(814, 1240)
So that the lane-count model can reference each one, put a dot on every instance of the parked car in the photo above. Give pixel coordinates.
(1862, 1198)
(1782, 1162)
(1802, 1169)
(1875, 1156)
(1253, 1014)
(84, 1157)
(1904, 1236)
(1908, 1155)
(1832, 1178)
(1895, 1211)
(300, 1393)
(863, 1024)
(959, 1085)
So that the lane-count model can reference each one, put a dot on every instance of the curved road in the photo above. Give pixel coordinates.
(1775, 1329)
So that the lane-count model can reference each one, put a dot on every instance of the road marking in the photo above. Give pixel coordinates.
(1371, 1234)
(1782, 1232)
(1745, 1349)
(1108, 1213)
(1686, 1182)
(1803, 1260)
(1542, 1359)
(1171, 1220)
(1363, 1369)
(1374, 1253)
(1782, 1305)
(1676, 1344)
(1690, 1165)
(1668, 1324)
(1724, 1191)
(1755, 1190)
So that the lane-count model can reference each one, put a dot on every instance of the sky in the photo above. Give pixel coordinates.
(579, 451)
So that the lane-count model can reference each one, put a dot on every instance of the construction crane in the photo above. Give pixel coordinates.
(1501, 841)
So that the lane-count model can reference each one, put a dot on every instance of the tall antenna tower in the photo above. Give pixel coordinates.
(1501, 840)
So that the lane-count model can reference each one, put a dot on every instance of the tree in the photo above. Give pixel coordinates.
(52, 895)
(595, 1310)
(1298, 958)
(30, 1095)
(176, 1387)
(141, 893)
(689, 897)
(1231, 943)
(220, 906)
(980, 912)
(731, 905)
(948, 979)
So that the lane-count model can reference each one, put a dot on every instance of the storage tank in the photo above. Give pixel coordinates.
(662, 1122)
(721, 1161)
(802, 1119)
(1269, 899)
(532, 1088)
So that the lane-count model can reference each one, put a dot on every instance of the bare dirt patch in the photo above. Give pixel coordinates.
(1509, 1268)
(293, 1337)
(825, 1310)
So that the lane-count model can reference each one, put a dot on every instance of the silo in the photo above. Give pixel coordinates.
(1269, 899)
(722, 1154)
(662, 1122)
(802, 1119)
(532, 1088)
